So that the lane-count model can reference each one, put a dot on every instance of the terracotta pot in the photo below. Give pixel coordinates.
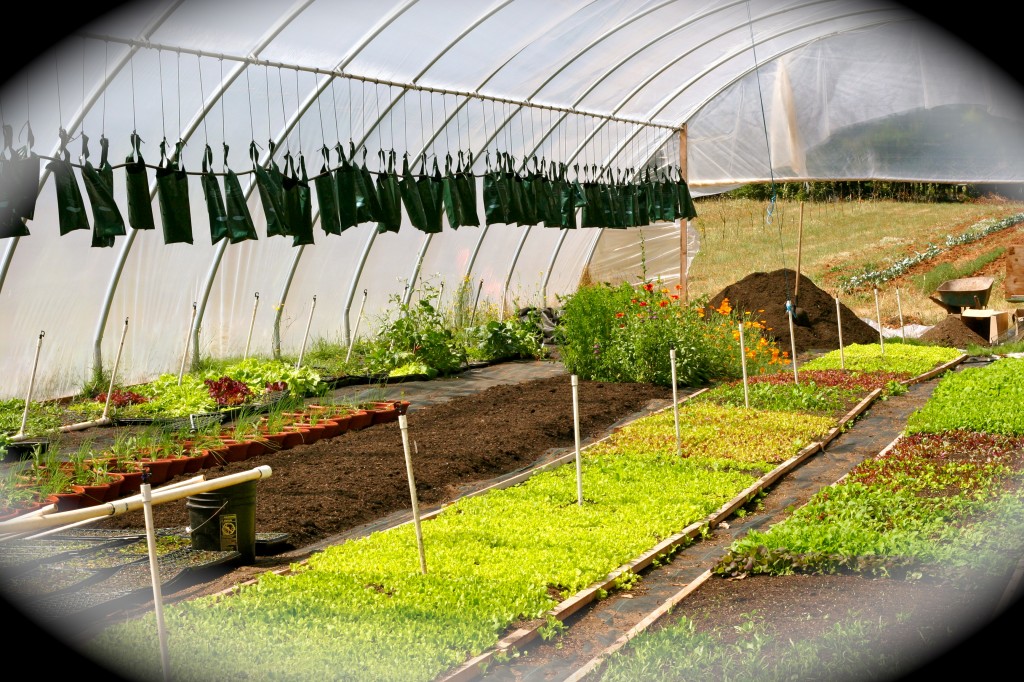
(158, 469)
(316, 431)
(294, 436)
(131, 482)
(235, 451)
(342, 423)
(359, 419)
(384, 412)
(275, 441)
(178, 464)
(69, 501)
(196, 461)
(96, 494)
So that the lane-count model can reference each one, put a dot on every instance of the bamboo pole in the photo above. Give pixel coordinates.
(305, 336)
(799, 252)
(839, 323)
(403, 423)
(184, 356)
(359, 318)
(899, 307)
(675, 403)
(878, 316)
(252, 324)
(743, 363)
(792, 341)
(113, 371)
(31, 385)
(576, 429)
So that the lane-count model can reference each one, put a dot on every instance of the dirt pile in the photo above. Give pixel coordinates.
(953, 332)
(764, 295)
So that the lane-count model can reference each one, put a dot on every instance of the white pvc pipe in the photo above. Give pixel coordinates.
(252, 324)
(576, 429)
(792, 341)
(359, 318)
(839, 322)
(302, 350)
(129, 504)
(675, 401)
(154, 574)
(31, 385)
(113, 371)
(900, 308)
(184, 355)
(878, 316)
(743, 363)
(403, 423)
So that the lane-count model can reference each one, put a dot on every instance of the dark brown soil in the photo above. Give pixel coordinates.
(764, 296)
(954, 333)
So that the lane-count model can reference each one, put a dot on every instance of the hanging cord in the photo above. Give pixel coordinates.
(202, 93)
(284, 115)
(223, 123)
(103, 117)
(764, 123)
(135, 125)
(163, 115)
(298, 124)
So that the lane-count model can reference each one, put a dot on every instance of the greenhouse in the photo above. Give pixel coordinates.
(408, 286)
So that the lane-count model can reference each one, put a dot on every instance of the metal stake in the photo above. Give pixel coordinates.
(113, 372)
(403, 423)
(675, 402)
(792, 341)
(252, 324)
(743, 362)
(839, 321)
(359, 317)
(302, 351)
(184, 356)
(31, 384)
(576, 423)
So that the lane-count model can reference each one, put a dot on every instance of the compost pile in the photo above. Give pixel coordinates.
(953, 332)
(764, 296)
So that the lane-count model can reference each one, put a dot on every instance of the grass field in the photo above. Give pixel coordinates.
(839, 240)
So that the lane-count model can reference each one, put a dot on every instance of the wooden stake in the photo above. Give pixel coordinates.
(743, 362)
(878, 315)
(403, 424)
(839, 322)
(576, 423)
(675, 402)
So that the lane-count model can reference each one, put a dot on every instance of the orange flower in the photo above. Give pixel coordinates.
(679, 287)
(620, 314)
(649, 287)
(675, 297)
(663, 303)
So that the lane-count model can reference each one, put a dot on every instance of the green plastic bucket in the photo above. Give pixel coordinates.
(224, 520)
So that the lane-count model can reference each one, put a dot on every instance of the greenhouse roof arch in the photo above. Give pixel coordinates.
(723, 93)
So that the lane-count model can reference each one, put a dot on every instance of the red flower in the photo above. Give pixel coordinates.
(643, 303)
(620, 314)
(663, 303)
(649, 287)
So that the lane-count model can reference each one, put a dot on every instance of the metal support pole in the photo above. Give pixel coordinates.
(113, 372)
(403, 423)
(31, 385)
(252, 324)
(302, 350)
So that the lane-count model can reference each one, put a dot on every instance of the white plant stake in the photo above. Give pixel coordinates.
(154, 573)
(576, 424)
(113, 372)
(359, 317)
(839, 322)
(184, 356)
(252, 323)
(878, 314)
(743, 362)
(900, 308)
(302, 351)
(403, 423)
(675, 402)
(31, 384)
(792, 341)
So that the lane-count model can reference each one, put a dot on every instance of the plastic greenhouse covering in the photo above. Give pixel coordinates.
(121, 137)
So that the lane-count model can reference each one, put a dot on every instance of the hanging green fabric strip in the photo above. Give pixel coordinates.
(411, 198)
(450, 195)
(240, 225)
(466, 185)
(268, 183)
(493, 210)
(215, 207)
(389, 194)
(368, 203)
(140, 203)
(19, 184)
(172, 192)
(687, 209)
(431, 191)
(347, 179)
(70, 204)
(99, 186)
(327, 196)
(300, 204)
